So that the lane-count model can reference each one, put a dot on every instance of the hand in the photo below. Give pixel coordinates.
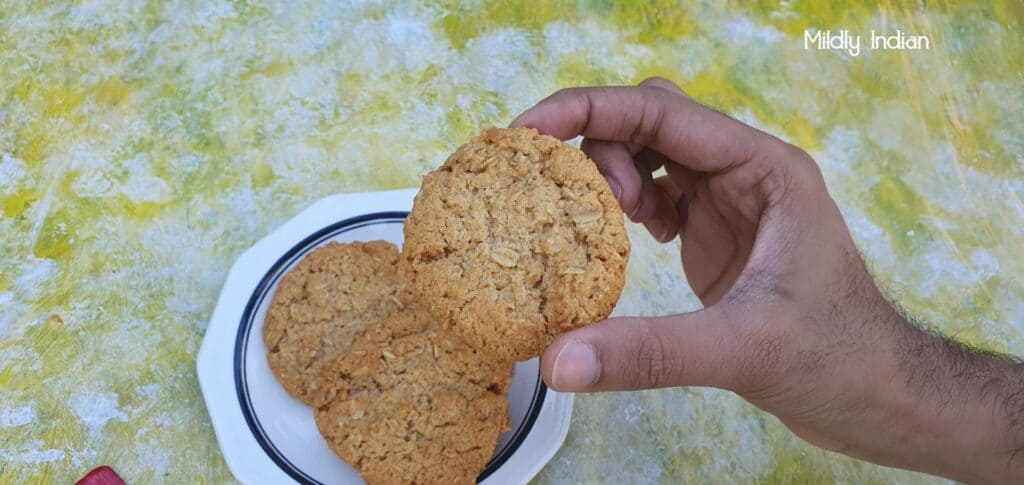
(793, 321)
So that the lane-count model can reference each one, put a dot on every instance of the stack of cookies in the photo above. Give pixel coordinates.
(407, 357)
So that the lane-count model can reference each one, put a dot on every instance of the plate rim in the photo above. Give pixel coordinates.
(247, 325)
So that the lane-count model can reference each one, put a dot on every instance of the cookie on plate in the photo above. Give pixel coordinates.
(335, 291)
(413, 403)
(515, 239)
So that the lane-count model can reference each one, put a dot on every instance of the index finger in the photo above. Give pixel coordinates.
(674, 124)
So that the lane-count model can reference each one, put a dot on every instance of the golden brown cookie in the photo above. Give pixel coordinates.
(413, 403)
(335, 291)
(514, 240)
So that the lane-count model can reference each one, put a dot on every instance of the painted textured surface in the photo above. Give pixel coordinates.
(144, 146)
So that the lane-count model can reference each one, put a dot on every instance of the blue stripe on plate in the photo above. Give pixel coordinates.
(262, 291)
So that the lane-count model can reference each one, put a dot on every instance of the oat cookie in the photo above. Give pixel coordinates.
(514, 240)
(335, 291)
(413, 403)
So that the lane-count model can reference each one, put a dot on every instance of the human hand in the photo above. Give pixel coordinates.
(793, 321)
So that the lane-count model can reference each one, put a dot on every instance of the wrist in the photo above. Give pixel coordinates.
(949, 408)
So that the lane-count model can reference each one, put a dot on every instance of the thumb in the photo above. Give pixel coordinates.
(690, 349)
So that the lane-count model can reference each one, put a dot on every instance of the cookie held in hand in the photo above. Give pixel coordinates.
(515, 239)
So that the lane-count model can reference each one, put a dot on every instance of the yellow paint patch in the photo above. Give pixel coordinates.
(802, 133)
(55, 237)
(15, 205)
(112, 91)
(262, 175)
(31, 144)
(464, 23)
(7, 376)
(662, 20)
(55, 343)
(142, 210)
(61, 102)
(899, 210)
(580, 72)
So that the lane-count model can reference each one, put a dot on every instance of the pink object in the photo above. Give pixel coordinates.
(103, 475)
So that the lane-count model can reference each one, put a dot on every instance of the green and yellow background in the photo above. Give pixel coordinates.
(144, 145)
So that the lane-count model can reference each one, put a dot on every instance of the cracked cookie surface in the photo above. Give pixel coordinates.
(413, 403)
(335, 291)
(515, 239)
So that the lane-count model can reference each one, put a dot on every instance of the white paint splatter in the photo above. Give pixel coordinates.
(463, 101)
(632, 412)
(22, 358)
(95, 409)
(636, 52)
(746, 31)
(307, 82)
(139, 164)
(33, 454)
(35, 272)
(150, 454)
(17, 416)
(842, 158)
(401, 44)
(888, 128)
(588, 39)
(163, 419)
(751, 453)
(142, 185)
(92, 184)
(148, 391)
(984, 263)
(297, 162)
(83, 457)
(12, 171)
(413, 41)
(42, 209)
(588, 42)
(872, 241)
(939, 267)
(189, 163)
(502, 61)
(146, 188)
(9, 310)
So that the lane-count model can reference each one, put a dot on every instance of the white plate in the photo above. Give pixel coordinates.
(269, 437)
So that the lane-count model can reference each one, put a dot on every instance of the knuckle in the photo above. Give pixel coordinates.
(652, 363)
(565, 92)
(797, 154)
(663, 84)
(801, 164)
(806, 163)
(647, 128)
(655, 80)
(565, 95)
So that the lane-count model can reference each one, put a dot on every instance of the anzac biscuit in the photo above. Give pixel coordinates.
(413, 403)
(335, 291)
(515, 239)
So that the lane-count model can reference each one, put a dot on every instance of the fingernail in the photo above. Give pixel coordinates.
(616, 190)
(660, 230)
(576, 367)
(632, 213)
